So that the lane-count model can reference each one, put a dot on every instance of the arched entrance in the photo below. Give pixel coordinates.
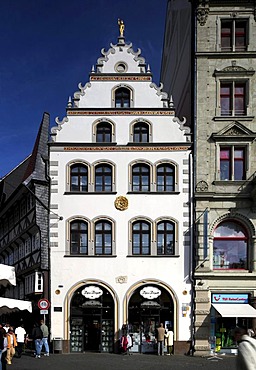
(149, 305)
(92, 319)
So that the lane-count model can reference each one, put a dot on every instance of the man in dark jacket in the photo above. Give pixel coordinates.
(37, 335)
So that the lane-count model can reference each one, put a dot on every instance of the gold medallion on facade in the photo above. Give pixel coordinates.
(121, 203)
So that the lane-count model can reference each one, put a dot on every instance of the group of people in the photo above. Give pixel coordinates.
(40, 335)
(12, 341)
(164, 336)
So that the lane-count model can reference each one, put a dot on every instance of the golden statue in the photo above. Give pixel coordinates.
(121, 27)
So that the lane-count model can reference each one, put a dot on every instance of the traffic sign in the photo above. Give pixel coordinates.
(43, 304)
(43, 312)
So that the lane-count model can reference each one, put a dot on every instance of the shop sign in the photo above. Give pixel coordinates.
(230, 298)
(150, 292)
(92, 292)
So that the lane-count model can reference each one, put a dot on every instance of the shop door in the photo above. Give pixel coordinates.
(149, 324)
(92, 333)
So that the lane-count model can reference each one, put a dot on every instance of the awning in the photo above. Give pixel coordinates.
(7, 275)
(235, 310)
(8, 305)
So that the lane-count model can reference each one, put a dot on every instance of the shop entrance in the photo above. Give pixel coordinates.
(148, 307)
(92, 320)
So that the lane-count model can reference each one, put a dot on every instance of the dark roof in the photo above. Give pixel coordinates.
(32, 167)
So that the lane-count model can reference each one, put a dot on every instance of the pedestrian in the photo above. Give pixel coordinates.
(45, 332)
(37, 335)
(4, 351)
(6, 327)
(11, 344)
(20, 333)
(246, 359)
(160, 331)
(169, 340)
(1, 347)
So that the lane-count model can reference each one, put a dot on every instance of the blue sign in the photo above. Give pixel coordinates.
(229, 298)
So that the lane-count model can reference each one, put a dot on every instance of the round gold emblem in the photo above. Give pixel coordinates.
(121, 203)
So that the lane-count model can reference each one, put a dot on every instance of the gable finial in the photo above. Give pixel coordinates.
(121, 27)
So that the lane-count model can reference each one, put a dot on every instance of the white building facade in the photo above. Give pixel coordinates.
(120, 180)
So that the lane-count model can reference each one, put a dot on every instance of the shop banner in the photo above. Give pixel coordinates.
(230, 298)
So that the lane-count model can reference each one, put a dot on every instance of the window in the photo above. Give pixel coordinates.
(104, 133)
(165, 178)
(232, 163)
(78, 237)
(103, 238)
(122, 98)
(103, 178)
(141, 132)
(234, 35)
(165, 238)
(79, 178)
(233, 98)
(140, 177)
(230, 246)
(141, 238)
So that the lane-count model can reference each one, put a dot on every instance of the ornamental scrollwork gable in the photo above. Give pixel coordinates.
(104, 57)
(182, 125)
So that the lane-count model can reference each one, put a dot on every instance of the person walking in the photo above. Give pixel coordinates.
(4, 351)
(37, 335)
(169, 341)
(160, 339)
(246, 359)
(11, 344)
(45, 332)
(20, 333)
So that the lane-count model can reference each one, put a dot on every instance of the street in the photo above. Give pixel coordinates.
(100, 361)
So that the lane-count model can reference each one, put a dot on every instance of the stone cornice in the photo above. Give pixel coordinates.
(116, 77)
(126, 148)
(121, 112)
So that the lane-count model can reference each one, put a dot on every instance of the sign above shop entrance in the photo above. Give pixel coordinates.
(230, 298)
(150, 292)
(92, 292)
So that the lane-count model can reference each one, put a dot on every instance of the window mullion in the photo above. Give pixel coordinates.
(232, 162)
(233, 35)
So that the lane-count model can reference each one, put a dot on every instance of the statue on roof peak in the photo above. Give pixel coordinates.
(121, 27)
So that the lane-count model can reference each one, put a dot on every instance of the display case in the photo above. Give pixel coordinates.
(107, 335)
(76, 335)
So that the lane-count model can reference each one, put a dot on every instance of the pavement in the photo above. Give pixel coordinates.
(106, 361)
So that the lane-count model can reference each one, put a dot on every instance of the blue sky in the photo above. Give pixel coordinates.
(49, 46)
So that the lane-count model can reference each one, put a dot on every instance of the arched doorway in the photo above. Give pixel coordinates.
(149, 305)
(92, 319)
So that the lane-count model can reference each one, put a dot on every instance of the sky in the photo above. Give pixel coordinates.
(49, 46)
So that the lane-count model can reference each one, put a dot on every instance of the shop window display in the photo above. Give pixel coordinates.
(230, 246)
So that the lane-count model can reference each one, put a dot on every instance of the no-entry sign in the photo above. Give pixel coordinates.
(43, 304)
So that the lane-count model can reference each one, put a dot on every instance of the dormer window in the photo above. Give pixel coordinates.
(122, 98)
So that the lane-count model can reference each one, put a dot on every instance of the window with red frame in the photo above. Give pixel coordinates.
(232, 163)
(230, 247)
(234, 35)
(233, 98)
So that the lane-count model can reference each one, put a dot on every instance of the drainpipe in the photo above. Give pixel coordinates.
(193, 160)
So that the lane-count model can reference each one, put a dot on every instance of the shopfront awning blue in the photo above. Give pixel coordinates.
(235, 310)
